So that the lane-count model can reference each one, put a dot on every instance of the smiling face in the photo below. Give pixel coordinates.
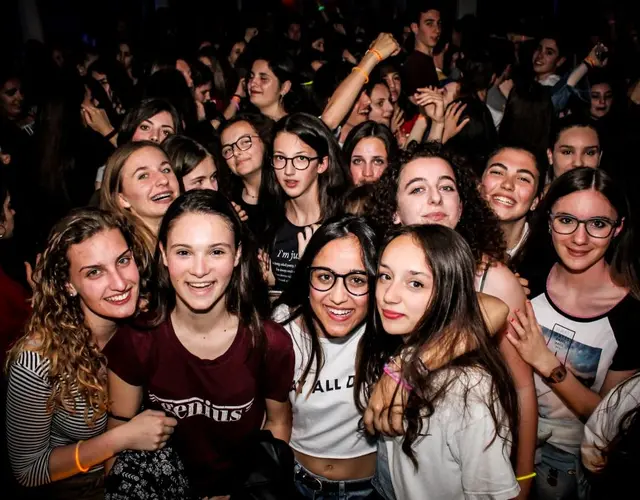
(339, 311)
(368, 160)
(11, 98)
(200, 256)
(394, 82)
(155, 129)
(428, 30)
(297, 183)
(148, 184)
(601, 99)
(575, 147)
(510, 183)
(204, 176)
(404, 286)
(381, 106)
(428, 194)
(579, 251)
(546, 58)
(360, 111)
(102, 272)
(263, 85)
(243, 163)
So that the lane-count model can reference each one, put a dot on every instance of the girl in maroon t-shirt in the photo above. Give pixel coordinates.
(212, 360)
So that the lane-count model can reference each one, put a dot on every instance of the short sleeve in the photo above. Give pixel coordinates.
(279, 363)
(624, 320)
(128, 355)
(484, 461)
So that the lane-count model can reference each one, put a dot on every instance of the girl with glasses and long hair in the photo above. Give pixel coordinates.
(211, 357)
(89, 280)
(305, 185)
(582, 340)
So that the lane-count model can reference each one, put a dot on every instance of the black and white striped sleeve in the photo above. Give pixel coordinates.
(28, 421)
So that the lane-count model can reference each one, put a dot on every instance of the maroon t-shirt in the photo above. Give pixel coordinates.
(217, 402)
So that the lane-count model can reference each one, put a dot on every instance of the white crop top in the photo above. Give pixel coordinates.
(325, 417)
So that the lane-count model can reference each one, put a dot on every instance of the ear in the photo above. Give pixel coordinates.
(414, 28)
(122, 201)
(550, 156)
(163, 254)
(396, 219)
(71, 290)
(534, 204)
(619, 228)
(238, 255)
(285, 88)
(323, 165)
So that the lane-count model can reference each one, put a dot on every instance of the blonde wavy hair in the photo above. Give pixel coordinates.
(56, 329)
(112, 187)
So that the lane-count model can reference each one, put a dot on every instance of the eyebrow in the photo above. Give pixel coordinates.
(294, 154)
(97, 266)
(185, 245)
(520, 170)
(412, 273)
(422, 179)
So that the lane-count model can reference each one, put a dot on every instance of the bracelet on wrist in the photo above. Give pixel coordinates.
(111, 134)
(364, 73)
(376, 53)
(395, 375)
(77, 456)
(526, 476)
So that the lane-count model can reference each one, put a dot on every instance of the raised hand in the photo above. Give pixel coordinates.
(452, 124)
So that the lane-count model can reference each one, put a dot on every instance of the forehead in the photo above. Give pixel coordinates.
(370, 145)
(341, 255)
(236, 130)
(404, 252)
(549, 43)
(101, 248)
(579, 136)
(601, 87)
(145, 156)
(585, 204)
(380, 90)
(200, 229)
(161, 119)
(261, 66)
(428, 168)
(287, 140)
(515, 158)
(433, 15)
(12, 83)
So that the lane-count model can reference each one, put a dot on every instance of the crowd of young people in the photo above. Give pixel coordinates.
(405, 263)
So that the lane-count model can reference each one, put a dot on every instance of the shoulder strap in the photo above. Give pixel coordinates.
(484, 277)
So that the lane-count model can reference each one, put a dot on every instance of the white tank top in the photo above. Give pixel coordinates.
(325, 417)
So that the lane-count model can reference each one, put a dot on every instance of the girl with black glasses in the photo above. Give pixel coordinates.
(586, 307)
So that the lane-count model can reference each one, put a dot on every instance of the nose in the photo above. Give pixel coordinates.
(581, 237)
(434, 197)
(199, 266)
(578, 161)
(289, 169)
(117, 283)
(154, 135)
(162, 180)
(390, 295)
(507, 183)
(367, 171)
(339, 293)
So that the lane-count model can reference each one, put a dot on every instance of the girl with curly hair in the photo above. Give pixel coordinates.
(429, 186)
(88, 280)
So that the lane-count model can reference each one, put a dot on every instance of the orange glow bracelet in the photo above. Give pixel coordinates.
(78, 464)
(364, 73)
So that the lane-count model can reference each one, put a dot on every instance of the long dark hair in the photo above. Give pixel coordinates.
(296, 296)
(144, 111)
(621, 453)
(247, 294)
(332, 184)
(185, 154)
(539, 253)
(370, 129)
(478, 225)
(452, 318)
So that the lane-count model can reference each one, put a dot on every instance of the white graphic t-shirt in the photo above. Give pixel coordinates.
(589, 348)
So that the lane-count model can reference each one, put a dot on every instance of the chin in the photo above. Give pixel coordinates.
(394, 327)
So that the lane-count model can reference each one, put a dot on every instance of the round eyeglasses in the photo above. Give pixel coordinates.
(299, 162)
(243, 144)
(323, 279)
(597, 227)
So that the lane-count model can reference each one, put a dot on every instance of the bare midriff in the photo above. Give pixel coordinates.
(339, 469)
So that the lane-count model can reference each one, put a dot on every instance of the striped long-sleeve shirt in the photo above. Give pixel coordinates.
(32, 431)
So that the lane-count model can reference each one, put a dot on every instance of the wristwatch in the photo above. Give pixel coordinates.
(557, 375)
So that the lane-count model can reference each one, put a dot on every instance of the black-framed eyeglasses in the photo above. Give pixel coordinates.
(244, 143)
(299, 162)
(323, 279)
(597, 227)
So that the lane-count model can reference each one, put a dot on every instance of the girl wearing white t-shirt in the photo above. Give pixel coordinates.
(461, 419)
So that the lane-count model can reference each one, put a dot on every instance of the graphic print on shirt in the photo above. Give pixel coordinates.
(327, 385)
(191, 407)
(581, 359)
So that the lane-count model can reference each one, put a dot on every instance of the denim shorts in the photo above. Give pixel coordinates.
(382, 479)
(315, 487)
(559, 475)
